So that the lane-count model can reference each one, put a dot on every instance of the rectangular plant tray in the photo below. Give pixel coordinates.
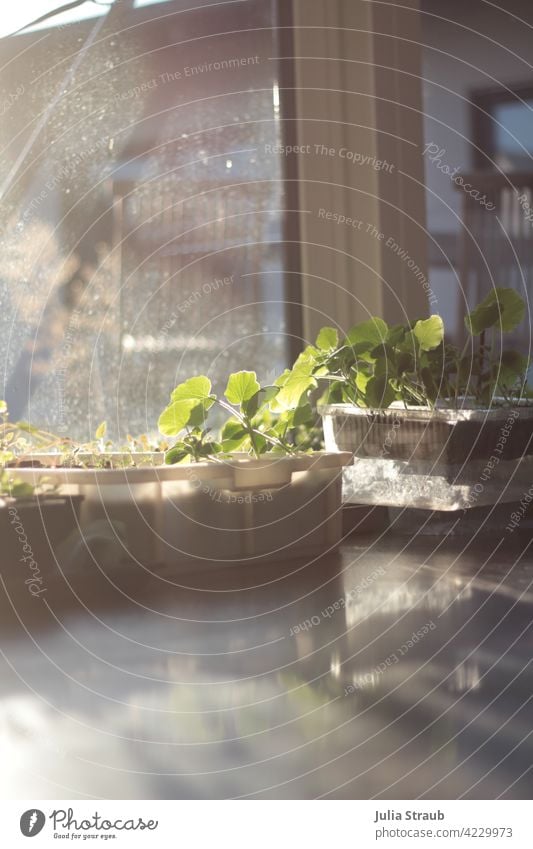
(433, 459)
(212, 512)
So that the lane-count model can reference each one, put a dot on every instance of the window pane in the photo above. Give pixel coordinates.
(513, 134)
(18, 15)
(142, 210)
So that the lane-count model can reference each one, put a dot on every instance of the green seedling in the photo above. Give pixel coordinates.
(375, 365)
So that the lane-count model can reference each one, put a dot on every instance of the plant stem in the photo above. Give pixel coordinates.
(481, 365)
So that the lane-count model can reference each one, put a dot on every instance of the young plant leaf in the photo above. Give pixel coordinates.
(295, 383)
(379, 393)
(176, 454)
(327, 339)
(294, 391)
(199, 412)
(429, 332)
(502, 308)
(261, 444)
(396, 334)
(512, 308)
(101, 431)
(194, 389)
(373, 331)
(191, 395)
(242, 385)
(483, 317)
(361, 381)
(333, 393)
(405, 362)
(259, 400)
(176, 416)
(234, 437)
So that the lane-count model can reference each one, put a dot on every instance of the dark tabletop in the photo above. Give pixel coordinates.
(398, 668)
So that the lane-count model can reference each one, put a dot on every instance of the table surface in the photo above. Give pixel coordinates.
(399, 667)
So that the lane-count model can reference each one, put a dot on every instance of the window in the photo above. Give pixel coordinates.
(503, 131)
(143, 207)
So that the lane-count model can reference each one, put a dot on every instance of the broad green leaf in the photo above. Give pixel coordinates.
(384, 357)
(258, 401)
(410, 344)
(199, 412)
(379, 393)
(307, 357)
(293, 390)
(296, 382)
(483, 317)
(405, 362)
(282, 379)
(231, 428)
(396, 334)
(348, 356)
(176, 416)
(101, 431)
(502, 308)
(429, 332)
(234, 436)
(211, 448)
(281, 424)
(386, 367)
(327, 339)
(242, 385)
(382, 351)
(194, 389)
(361, 381)
(3, 407)
(374, 331)
(333, 394)
(512, 307)
(261, 443)
(177, 454)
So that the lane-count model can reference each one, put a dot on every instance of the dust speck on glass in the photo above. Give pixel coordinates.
(141, 215)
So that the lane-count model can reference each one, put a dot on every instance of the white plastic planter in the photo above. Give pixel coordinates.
(439, 459)
(238, 509)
